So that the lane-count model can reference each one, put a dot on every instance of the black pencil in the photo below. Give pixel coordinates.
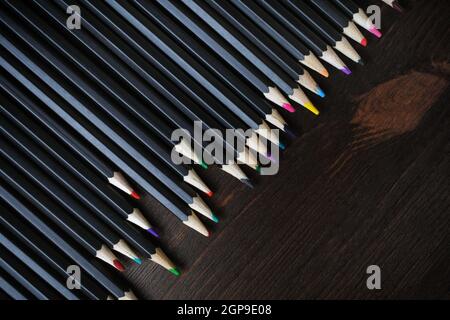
(188, 175)
(37, 267)
(163, 107)
(35, 287)
(143, 113)
(41, 137)
(53, 257)
(300, 30)
(202, 54)
(154, 75)
(339, 20)
(102, 253)
(292, 45)
(254, 54)
(169, 68)
(323, 29)
(196, 70)
(358, 15)
(77, 189)
(166, 198)
(190, 197)
(76, 231)
(273, 56)
(233, 58)
(71, 206)
(150, 142)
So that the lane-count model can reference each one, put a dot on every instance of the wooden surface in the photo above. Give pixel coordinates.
(366, 183)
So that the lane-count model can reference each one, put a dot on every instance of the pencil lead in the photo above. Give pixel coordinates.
(135, 195)
(209, 194)
(214, 218)
(282, 145)
(364, 42)
(204, 165)
(346, 70)
(325, 73)
(375, 32)
(153, 232)
(290, 132)
(118, 265)
(247, 182)
(320, 92)
(137, 260)
(258, 168)
(361, 62)
(175, 271)
(209, 233)
(311, 107)
(288, 107)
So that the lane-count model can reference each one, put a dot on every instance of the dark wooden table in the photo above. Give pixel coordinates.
(366, 183)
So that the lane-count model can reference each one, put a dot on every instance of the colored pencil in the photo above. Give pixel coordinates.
(63, 198)
(253, 53)
(196, 70)
(191, 45)
(154, 78)
(339, 20)
(165, 66)
(137, 174)
(58, 241)
(188, 175)
(302, 32)
(323, 29)
(54, 258)
(190, 197)
(358, 15)
(40, 136)
(103, 212)
(292, 45)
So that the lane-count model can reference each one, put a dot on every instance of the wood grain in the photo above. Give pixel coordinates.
(366, 183)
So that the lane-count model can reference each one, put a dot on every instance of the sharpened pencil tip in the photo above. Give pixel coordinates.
(204, 165)
(346, 70)
(209, 194)
(290, 132)
(375, 32)
(135, 195)
(137, 260)
(175, 271)
(282, 145)
(214, 218)
(288, 107)
(361, 62)
(153, 232)
(118, 265)
(312, 108)
(325, 73)
(247, 182)
(364, 42)
(258, 168)
(320, 92)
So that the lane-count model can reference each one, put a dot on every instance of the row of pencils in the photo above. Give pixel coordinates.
(87, 116)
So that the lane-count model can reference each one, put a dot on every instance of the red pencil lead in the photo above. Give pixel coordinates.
(135, 195)
(119, 266)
